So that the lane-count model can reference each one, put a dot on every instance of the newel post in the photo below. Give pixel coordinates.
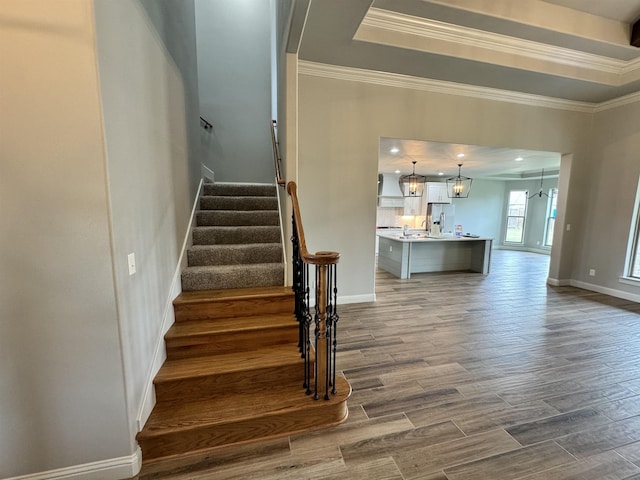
(322, 346)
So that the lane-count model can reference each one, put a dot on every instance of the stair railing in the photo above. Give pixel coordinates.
(325, 316)
(277, 160)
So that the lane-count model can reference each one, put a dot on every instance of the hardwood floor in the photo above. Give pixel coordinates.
(458, 376)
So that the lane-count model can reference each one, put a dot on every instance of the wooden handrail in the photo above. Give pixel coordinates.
(276, 154)
(326, 314)
(318, 258)
(206, 124)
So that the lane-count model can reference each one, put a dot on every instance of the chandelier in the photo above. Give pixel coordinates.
(412, 185)
(460, 186)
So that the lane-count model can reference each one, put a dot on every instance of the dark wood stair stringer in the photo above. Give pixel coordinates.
(233, 375)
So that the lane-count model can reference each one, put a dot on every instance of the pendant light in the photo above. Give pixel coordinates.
(412, 185)
(460, 186)
(540, 192)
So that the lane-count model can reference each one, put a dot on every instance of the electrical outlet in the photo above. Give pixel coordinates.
(537, 242)
(131, 260)
(391, 248)
(592, 272)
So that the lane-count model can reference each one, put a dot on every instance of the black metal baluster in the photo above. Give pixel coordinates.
(334, 324)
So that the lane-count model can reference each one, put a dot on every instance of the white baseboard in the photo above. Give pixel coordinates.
(634, 297)
(207, 173)
(558, 282)
(542, 251)
(160, 353)
(112, 469)
(370, 297)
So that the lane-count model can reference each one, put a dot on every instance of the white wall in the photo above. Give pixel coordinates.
(147, 147)
(62, 391)
(234, 76)
(340, 123)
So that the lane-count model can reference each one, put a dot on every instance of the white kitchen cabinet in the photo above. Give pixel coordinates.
(436, 192)
(413, 206)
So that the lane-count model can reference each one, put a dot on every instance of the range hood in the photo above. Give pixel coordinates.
(389, 193)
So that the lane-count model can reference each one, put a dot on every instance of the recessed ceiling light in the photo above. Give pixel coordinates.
(460, 155)
(519, 159)
(440, 173)
(397, 171)
(394, 150)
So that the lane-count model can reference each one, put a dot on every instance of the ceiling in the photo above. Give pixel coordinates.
(577, 50)
(434, 158)
(570, 50)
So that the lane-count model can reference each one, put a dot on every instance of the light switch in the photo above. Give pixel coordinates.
(568, 227)
(131, 259)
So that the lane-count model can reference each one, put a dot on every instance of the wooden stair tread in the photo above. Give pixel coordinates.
(288, 397)
(272, 356)
(229, 325)
(203, 296)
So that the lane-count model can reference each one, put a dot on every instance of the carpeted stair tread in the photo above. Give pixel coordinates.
(236, 254)
(237, 190)
(237, 217)
(234, 235)
(232, 276)
(238, 203)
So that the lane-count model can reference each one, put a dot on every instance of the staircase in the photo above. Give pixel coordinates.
(237, 241)
(233, 372)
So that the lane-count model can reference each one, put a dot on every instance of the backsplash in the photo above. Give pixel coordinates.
(393, 217)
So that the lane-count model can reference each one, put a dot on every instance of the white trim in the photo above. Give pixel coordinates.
(438, 86)
(369, 297)
(112, 469)
(207, 173)
(471, 37)
(160, 353)
(452, 88)
(633, 240)
(630, 281)
(617, 102)
(634, 297)
(282, 237)
(558, 282)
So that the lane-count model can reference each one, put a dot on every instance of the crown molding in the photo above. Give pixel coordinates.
(617, 102)
(451, 88)
(480, 39)
(437, 86)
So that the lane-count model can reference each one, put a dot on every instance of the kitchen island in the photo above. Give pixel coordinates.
(401, 255)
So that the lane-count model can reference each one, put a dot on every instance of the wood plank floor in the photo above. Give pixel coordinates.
(459, 376)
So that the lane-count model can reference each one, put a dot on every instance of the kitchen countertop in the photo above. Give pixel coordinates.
(401, 255)
(423, 236)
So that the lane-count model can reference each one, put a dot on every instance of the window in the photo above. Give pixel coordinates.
(552, 207)
(515, 216)
(633, 251)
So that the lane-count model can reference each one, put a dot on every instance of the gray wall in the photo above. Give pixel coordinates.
(340, 123)
(614, 170)
(146, 119)
(234, 77)
(94, 166)
(63, 397)
(481, 213)
(174, 23)
(535, 218)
